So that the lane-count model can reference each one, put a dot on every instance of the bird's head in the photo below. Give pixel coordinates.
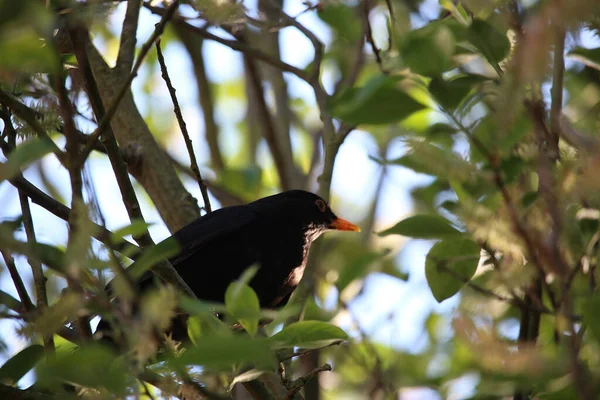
(311, 212)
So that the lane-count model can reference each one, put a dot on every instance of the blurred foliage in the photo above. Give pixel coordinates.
(496, 102)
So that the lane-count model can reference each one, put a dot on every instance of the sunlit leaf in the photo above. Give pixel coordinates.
(380, 101)
(92, 366)
(247, 376)
(243, 182)
(137, 227)
(427, 158)
(161, 251)
(492, 44)
(450, 93)
(428, 51)
(203, 325)
(222, 352)
(24, 154)
(21, 363)
(242, 304)
(308, 335)
(589, 57)
(591, 317)
(343, 19)
(449, 264)
(10, 302)
(423, 227)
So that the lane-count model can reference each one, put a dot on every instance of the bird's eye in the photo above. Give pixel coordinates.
(321, 205)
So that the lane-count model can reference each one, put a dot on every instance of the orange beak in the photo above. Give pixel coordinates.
(343, 225)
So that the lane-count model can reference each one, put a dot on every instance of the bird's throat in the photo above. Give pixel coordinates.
(297, 273)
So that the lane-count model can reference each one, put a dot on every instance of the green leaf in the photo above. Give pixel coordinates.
(20, 364)
(219, 353)
(390, 268)
(196, 307)
(243, 182)
(161, 251)
(591, 317)
(247, 376)
(428, 51)
(248, 274)
(242, 304)
(308, 335)
(427, 158)
(380, 101)
(589, 57)
(52, 256)
(356, 267)
(458, 255)
(491, 43)
(423, 227)
(22, 50)
(23, 155)
(10, 302)
(343, 19)
(202, 325)
(493, 136)
(92, 366)
(450, 93)
(136, 228)
(457, 11)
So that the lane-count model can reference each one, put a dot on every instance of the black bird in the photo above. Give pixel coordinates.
(274, 233)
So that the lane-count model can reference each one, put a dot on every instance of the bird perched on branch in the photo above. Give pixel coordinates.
(275, 233)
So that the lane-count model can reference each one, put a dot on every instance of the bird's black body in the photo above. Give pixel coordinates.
(273, 233)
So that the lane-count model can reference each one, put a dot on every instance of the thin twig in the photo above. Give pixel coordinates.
(74, 168)
(61, 211)
(17, 280)
(38, 274)
(183, 128)
(235, 45)
(369, 36)
(39, 280)
(304, 352)
(558, 73)
(299, 383)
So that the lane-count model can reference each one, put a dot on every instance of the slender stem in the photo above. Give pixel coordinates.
(17, 280)
(183, 127)
(556, 92)
(39, 280)
(77, 203)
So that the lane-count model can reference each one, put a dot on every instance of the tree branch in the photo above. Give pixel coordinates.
(235, 45)
(105, 121)
(17, 280)
(9, 392)
(63, 212)
(299, 383)
(129, 35)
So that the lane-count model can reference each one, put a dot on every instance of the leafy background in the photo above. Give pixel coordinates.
(454, 145)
